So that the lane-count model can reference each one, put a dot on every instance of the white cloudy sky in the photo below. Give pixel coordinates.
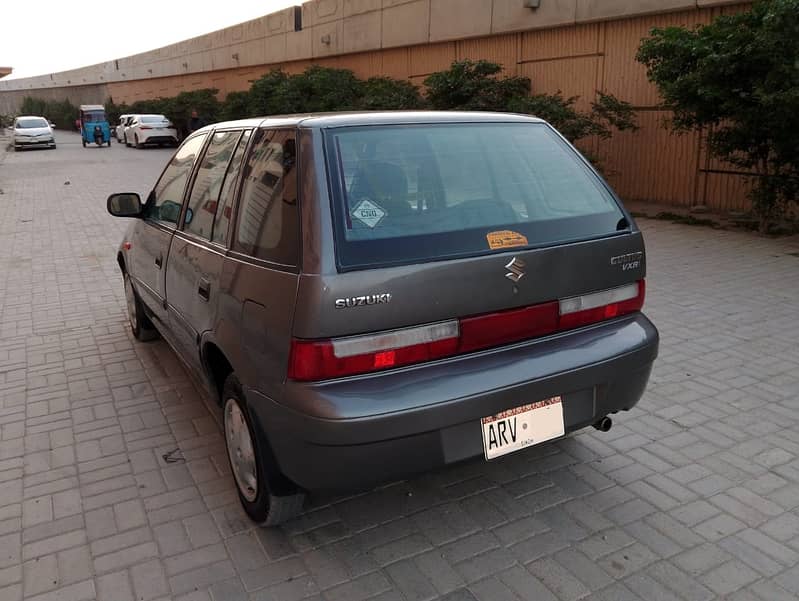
(46, 36)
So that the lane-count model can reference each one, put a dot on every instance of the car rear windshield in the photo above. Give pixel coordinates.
(406, 194)
(31, 123)
(153, 119)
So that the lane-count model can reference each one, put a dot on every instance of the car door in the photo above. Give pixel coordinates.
(161, 212)
(261, 272)
(198, 249)
(129, 130)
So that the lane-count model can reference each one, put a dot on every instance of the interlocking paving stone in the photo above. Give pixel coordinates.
(691, 496)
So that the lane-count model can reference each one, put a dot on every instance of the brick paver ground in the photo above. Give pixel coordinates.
(114, 483)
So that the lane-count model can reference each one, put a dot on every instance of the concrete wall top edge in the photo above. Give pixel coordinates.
(336, 27)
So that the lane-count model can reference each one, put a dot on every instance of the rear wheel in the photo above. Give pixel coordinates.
(84, 143)
(138, 144)
(126, 141)
(248, 464)
(140, 324)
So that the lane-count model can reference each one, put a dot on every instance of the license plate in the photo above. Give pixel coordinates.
(522, 427)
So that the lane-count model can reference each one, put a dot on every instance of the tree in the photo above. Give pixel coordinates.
(63, 113)
(473, 86)
(607, 113)
(737, 79)
(477, 85)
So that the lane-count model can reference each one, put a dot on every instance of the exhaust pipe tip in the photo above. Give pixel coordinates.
(604, 424)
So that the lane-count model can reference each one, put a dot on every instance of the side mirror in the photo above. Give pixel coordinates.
(126, 204)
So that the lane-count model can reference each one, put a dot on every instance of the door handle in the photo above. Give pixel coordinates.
(204, 289)
(159, 261)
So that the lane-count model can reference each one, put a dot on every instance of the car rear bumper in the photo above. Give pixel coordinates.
(357, 432)
(158, 139)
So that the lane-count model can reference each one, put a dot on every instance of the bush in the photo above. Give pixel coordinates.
(387, 94)
(466, 85)
(737, 80)
(235, 106)
(316, 90)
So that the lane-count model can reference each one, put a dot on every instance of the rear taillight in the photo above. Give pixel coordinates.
(324, 359)
(598, 306)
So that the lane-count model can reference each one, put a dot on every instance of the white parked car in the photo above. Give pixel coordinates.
(119, 129)
(151, 129)
(32, 132)
(126, 127)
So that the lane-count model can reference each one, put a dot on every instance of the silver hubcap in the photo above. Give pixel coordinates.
(130, 301)
(240, 450)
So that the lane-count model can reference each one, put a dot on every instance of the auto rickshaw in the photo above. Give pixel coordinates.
(94, 126)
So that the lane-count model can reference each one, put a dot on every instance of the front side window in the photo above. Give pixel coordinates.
(268, 221)
(167, 197)
(208, 183)
(437, 191)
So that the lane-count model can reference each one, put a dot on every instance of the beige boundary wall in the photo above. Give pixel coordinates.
(575, 46)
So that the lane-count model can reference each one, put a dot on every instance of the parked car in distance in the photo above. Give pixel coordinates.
(372, 295)
(126, 127)
(151, 129)
(32, 132)
(119, 128)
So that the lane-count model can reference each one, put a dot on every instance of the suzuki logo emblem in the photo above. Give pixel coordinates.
(515, 269)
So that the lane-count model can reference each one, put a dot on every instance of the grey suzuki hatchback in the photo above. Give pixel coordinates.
(368, 296)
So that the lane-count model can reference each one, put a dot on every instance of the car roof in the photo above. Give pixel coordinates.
(348, 119)
(151, 115)
(31, 117)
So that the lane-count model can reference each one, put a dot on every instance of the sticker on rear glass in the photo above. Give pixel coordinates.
(505, 239)
(368, 213)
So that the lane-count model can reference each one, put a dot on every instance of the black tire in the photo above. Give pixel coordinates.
(141, 326)
(136, 140)
(126, 141)
(260, 498)
(109, 142)
(84, 143)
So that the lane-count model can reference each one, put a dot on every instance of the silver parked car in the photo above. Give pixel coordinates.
(33, 132)
(372, 295)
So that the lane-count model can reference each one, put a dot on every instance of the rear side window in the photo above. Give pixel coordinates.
(227, 196)
(406, 194)
(268, 221)
(208, 183)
